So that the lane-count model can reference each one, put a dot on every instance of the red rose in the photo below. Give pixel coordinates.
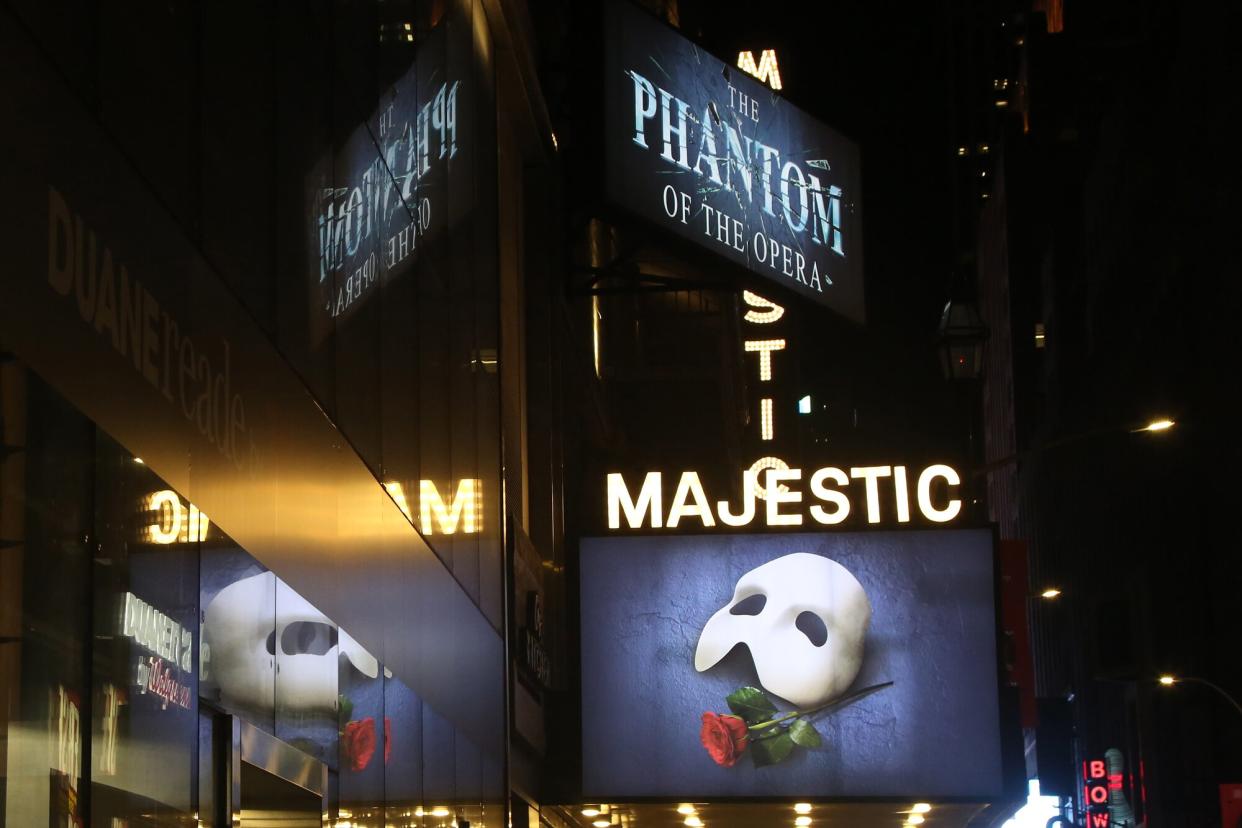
(387, 739)
(358, 743)
(724, 737)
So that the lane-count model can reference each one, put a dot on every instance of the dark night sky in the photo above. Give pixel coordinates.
(876, 72)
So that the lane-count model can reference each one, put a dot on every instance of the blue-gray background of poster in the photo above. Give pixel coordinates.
(934, 733)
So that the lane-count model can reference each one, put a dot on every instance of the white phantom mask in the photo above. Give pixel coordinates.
(788, 663)
(255, 622)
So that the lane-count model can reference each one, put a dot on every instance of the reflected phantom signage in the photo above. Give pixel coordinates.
(707, 152)
(808, 665)
(384, 195)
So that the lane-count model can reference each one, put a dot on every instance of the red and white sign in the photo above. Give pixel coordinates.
(1097, 784)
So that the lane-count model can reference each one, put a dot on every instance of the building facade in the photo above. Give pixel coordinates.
(262, 387)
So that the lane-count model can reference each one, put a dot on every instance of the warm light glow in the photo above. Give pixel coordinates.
(439, 811)
(685, 809)
(175, 522)
(419, 811)
(914, 819)
(759, 467)
(590, 812)
(601, 823)
(138, 460)
(762, 311)
(802, 808)
(463, 513)
(694, 822)
(764, 347)
(1051, 592)
(1158, 425)
(397, 492)
(1168, 681)
(767, 70)
(920, 808)
(765, 418)
(802, 821)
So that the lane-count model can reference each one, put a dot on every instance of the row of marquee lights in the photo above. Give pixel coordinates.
(604, 817)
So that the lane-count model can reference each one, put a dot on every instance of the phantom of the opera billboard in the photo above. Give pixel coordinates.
(852, 665)
(706, 152)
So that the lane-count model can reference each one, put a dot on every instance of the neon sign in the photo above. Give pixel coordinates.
(766, 71)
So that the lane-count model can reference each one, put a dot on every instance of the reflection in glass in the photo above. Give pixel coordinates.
(239, 628)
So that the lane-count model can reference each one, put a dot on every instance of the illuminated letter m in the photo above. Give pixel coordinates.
(649, 500)
(767, 71)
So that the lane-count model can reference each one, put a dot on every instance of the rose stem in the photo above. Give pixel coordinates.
(834, 703)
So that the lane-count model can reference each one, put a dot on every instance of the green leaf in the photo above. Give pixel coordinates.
(751, 704)
(804, 733)
(346, 706)
(771, 751)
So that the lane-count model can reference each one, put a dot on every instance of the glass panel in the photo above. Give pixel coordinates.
(46, 523)
(144, 683)
(306, 650)
(238, 598)
(364, 751)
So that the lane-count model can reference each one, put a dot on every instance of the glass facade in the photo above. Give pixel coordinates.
(249, 400)
(131, 619)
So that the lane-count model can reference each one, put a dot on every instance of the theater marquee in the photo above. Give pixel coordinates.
(708, 153)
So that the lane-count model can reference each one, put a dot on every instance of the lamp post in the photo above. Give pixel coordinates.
(1168, 680)
(1155, 426)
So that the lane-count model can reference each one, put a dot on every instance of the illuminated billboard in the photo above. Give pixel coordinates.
(790, 665)
(709, 153)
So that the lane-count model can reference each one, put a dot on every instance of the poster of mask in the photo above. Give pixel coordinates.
(710, 154)
(811, 665)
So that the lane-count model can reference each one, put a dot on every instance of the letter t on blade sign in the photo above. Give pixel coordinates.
(764, 347)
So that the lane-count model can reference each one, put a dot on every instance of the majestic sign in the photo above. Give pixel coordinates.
(708, 153)
(827, 504)
(793, 665)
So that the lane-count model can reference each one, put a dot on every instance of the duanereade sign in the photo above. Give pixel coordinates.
(705, 151)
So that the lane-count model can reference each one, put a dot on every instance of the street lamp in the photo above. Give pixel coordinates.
(1168, 680)
(961, 336)
(1153, 427)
